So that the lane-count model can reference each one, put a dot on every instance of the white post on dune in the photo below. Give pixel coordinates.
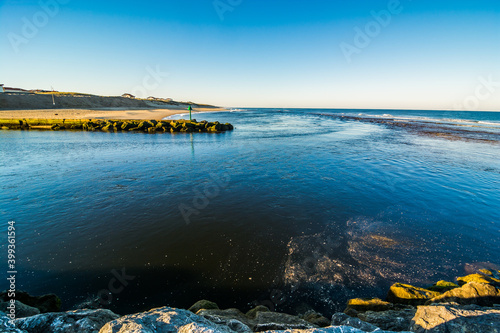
(53, 102)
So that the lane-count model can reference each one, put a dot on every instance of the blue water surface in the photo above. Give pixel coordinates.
(289, 200)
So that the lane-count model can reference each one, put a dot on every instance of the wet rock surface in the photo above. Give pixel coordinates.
(79, 321)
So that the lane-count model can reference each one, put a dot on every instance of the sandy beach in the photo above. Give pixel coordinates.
(111, 113)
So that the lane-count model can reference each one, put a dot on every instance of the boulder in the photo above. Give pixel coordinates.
(233, 318)
(7, 326)
(391, 320)
(358, 323)
(22, 310)
(470, 293)
(259, 308)
(79, 321)
(478, 278)
(316, 319)
(162, 320)
(279, 321)
(406, 294)
(443, 286)
(331, 329)
(118, 125)
(223, 316)
(259, 320)
(144, 125)
(108, 127)
(493, 273)
(451, 319)
(128, 125)
(203, 304)
(338, 318)
(368, 304)
(45, 303)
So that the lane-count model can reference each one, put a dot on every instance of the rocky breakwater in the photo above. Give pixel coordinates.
(472, 305)
(147, 126)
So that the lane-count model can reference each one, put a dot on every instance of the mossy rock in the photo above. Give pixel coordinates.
(259, 308)
(162, 124)
(203, 305)
(144, 125)
(212, 129)
(316, 319)
(368, 304)
(443, 286)
(55, 127)
(478, 278)
(483, 294)
(407, 294)
(128, 125)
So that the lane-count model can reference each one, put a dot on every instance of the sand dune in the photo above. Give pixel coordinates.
(76, 106)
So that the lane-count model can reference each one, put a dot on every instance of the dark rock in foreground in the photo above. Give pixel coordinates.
(7, 326)
(22, 310)
(164, 320)
(176, 320)
(391, 320)
(79, 321)
(471, 307)
(44, 303)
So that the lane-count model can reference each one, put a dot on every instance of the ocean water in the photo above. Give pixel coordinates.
(294, 209)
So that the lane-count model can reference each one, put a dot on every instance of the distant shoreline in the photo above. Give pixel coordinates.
(82, 106)
(102, 113)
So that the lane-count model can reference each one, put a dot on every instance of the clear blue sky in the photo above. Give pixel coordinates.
(423, 55)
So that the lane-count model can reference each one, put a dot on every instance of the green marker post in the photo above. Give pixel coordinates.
(190, 109)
